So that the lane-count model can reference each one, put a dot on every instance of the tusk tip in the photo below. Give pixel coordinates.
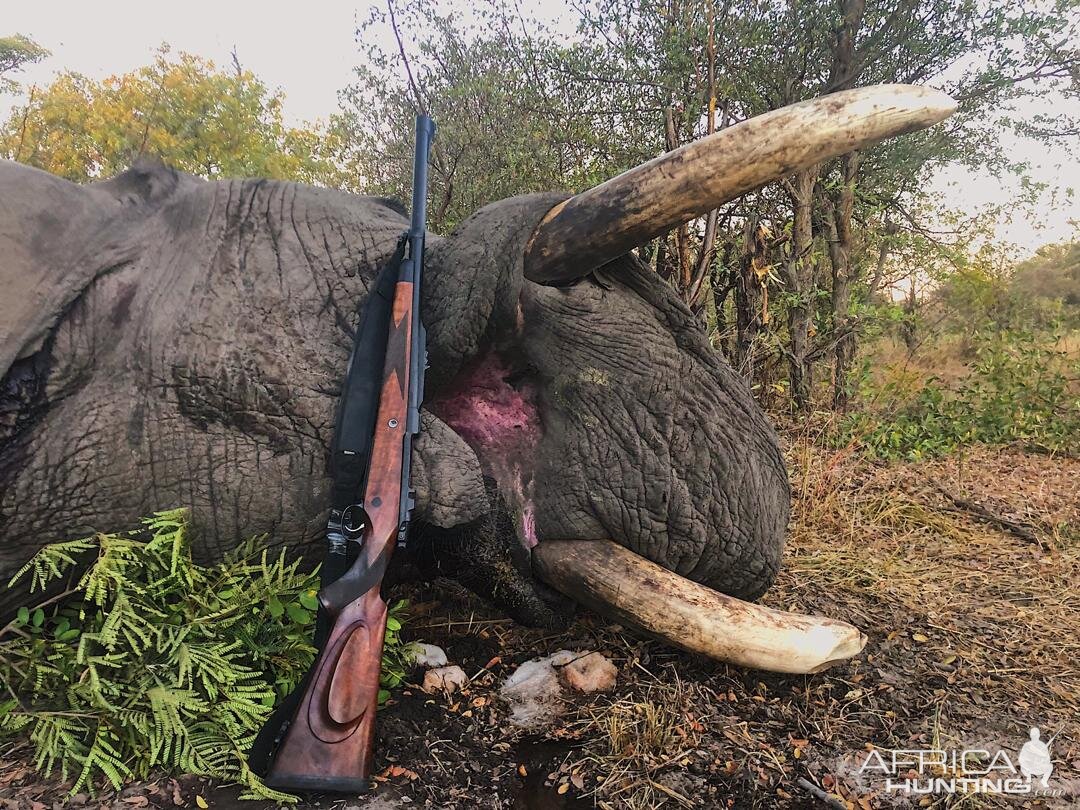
(846, 642)
(930, 105)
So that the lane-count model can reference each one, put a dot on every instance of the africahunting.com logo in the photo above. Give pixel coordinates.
(968, 770)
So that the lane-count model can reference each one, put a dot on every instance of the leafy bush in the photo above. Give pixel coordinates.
(149, 660)
(1020, 390)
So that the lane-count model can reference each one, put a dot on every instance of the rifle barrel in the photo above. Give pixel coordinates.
(425, 131)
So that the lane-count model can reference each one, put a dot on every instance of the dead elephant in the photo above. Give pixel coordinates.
(170, 341)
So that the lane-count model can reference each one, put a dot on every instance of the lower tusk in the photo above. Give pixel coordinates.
(618, 583)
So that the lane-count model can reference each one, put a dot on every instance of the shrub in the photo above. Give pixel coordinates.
(149, 660)
(1020, 390)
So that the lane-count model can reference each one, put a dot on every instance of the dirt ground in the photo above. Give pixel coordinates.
(964, 573)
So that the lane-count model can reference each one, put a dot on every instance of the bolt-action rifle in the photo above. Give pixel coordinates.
(321, 737)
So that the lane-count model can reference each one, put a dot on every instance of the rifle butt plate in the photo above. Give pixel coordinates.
(297, 783)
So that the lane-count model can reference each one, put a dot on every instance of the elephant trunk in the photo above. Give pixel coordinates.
(608, 220)
(618, 583)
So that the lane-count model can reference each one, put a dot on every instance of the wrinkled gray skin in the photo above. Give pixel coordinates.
(167, 341)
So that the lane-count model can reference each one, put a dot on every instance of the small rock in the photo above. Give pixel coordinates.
(444, 679)
(428, 655)
(535, 693)
(590, 672)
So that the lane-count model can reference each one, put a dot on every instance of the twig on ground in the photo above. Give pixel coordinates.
(984, 514)
(820, 794)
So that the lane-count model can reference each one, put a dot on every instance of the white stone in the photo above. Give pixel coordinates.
(535, 689)
(534, 694)
(427, 655)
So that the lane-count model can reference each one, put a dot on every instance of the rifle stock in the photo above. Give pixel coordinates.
(329, 744)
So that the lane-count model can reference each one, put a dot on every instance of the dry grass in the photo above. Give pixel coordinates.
(987, 620)
(902, 373)
(883, 541)
(635, 739)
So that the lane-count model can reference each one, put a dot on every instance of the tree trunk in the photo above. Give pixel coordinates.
(750, 301)
(837, 221)
(680, 271)
(799, 279)
(839, 211)
(908, 329)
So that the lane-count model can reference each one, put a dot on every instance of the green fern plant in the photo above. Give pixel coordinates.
(146, 660)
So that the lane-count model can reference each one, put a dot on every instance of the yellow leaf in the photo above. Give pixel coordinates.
(199, 800)
(565, 786)
(919, 637)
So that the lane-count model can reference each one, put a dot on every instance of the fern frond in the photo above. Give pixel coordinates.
(52, 562)
(158, 662)
(103, 758)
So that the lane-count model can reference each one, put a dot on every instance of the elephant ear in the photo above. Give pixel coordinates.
(56, 237)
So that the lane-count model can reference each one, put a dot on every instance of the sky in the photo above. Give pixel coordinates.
(310, 50)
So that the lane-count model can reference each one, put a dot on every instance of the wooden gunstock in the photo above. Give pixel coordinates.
(329, 744)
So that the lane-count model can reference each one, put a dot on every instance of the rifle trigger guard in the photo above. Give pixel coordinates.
(353, 522)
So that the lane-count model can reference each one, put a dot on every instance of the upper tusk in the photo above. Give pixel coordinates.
(616, 582)
(608, 220)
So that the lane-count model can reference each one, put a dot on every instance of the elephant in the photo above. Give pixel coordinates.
(172, 341)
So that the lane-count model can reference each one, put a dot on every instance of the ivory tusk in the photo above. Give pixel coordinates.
(618, 583)
(608, 220)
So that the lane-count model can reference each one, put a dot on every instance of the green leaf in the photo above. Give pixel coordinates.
(217, 665)
(309, 600)
(275, 606)
(392, 624)
(298, 614)
(23, 615)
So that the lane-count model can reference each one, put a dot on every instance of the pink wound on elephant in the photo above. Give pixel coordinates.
(528, 525)
(498, 420)
(501, 423)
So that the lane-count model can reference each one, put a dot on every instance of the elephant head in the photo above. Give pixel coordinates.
(172, 341)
